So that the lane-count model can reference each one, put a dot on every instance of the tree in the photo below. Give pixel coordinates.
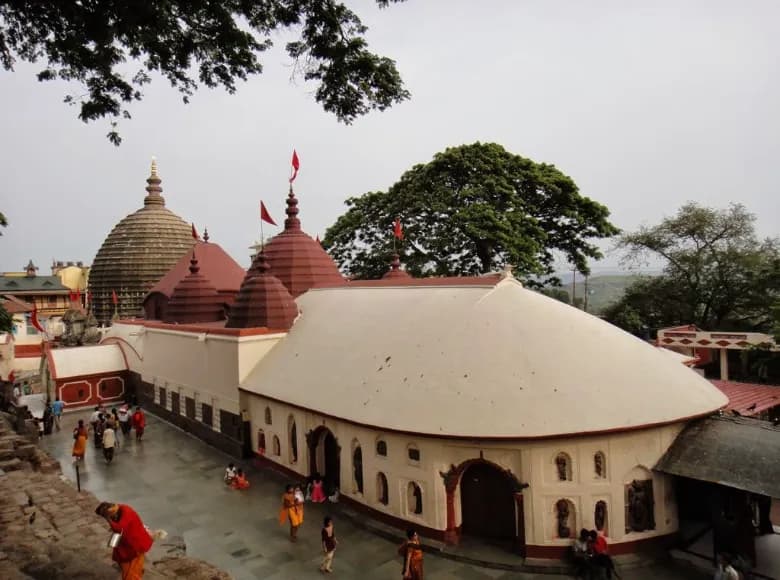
(97, 44)
(6, 320)
(558, 294)
(718, 275)
(471, 210)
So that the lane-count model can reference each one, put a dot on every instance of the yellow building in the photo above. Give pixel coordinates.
(74, 275)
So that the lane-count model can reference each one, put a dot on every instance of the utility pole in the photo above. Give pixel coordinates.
(585, 301)
(573, 286)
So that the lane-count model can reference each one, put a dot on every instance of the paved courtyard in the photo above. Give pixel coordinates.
(175, 483)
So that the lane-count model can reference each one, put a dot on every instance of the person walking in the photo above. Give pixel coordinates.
(100, 426)
(329, 544)
(109, 441)
(291, 510)
(56, 407)
(139, 423)
(80, 437)
(134, 542)
(412, 555)
(124, 420)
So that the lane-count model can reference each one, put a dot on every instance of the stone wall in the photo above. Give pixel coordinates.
(49, 530)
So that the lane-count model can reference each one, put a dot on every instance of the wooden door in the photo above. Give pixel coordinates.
(487, 503)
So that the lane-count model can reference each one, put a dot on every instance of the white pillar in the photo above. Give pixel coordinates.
(724, 364)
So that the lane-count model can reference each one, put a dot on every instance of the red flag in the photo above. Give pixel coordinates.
(78, 295)
(11, 377)
(114, 297)
(398, 231)
(296, 165)
(265, 216)
(34, 320)
(194, 233)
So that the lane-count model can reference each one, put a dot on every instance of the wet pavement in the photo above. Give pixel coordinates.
(175, 482)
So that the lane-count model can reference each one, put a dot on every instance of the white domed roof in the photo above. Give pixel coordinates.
(474, 361)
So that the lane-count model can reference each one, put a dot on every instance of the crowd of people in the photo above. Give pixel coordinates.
(104, 425)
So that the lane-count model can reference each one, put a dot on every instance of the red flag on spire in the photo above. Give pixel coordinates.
(194, 233)
(265, 216)
(296, 165)
(114, 297)
(34, 320)
(398, 230)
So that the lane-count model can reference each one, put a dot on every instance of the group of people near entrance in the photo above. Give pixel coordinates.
(591, 559)
(104, 426)
(292, 511)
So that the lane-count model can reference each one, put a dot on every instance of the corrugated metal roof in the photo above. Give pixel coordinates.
(749, 399)
(737, 452)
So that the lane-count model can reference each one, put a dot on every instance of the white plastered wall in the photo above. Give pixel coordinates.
(531, 462)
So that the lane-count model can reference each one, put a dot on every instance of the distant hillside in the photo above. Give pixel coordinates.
(602, 290)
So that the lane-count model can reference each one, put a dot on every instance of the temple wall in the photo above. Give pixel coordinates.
(626, 456)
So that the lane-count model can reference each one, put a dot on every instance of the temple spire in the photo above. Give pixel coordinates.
(194, 268)
(292, 222)
(153, 189)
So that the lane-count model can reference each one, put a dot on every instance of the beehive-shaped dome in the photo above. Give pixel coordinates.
(263, 300)
(297, 259)
(136, 254)
(194, 299)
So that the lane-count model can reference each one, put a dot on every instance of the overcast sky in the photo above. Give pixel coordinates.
(646, 105)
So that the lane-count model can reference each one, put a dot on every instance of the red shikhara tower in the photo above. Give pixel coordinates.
(195, 299)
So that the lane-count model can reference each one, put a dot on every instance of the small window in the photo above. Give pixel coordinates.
(414, 498)
(261, 442)
(52, 300)
(563, 469)
(206, 414)
(381, 448)
(277, 446)
(414, 453)
(268, 418)
(357, 467)
(600, 465)
(293, 433)
(381, 488)
(163, 397)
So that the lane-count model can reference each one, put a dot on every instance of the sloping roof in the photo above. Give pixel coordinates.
(494, 360)
(736, 452)
(748, 398)
(86, 360)
(15, 306)
(215, 264)
(39, 284)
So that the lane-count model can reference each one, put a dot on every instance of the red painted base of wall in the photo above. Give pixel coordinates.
(28, 350)
(89, 391)
(645, 545)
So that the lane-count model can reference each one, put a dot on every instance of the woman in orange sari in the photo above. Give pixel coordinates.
(80, 441)
(413, 557)
(293, 510)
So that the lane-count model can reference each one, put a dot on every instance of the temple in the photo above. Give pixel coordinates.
(463, 406)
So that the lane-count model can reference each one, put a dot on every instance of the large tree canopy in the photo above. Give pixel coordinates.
(717, 275)
(472, 210)
(214, 42)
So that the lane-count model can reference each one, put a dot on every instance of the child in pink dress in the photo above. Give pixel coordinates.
(317, 493)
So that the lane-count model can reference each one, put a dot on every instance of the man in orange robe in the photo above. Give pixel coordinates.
(131, 551)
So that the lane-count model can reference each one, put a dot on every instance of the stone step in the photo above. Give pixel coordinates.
(14, 464)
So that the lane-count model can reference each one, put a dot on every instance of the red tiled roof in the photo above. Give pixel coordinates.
(215, 264)
(743, 396)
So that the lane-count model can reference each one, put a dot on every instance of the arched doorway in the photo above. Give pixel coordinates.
(325, 458)
(487, 503)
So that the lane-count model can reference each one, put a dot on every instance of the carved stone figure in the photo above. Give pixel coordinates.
(562, 515)
(562, 463)
(640, 506)
(598, 463)
(600, 515)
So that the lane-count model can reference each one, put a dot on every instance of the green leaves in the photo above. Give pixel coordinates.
(473, 209)
(717, 274)
(192, 43)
